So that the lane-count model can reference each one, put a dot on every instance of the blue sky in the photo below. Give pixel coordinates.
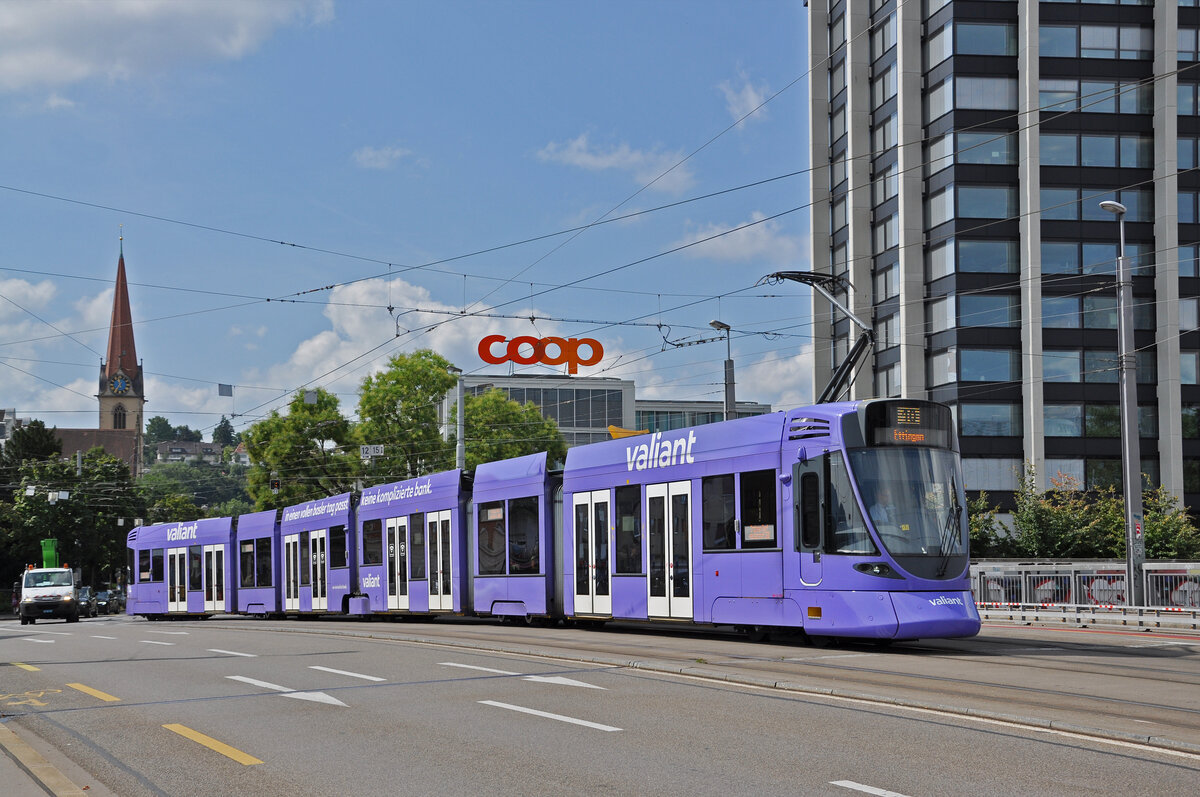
(348, 157)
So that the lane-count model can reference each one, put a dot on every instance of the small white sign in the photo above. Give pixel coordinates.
(371, 451)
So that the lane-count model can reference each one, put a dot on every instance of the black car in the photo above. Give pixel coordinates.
(104, 602)
(87, 602)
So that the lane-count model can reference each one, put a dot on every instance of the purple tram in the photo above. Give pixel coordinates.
(411, 542)
(516, 511)
(180, 569)
(841, 519)
(319, 572)
(259, 563)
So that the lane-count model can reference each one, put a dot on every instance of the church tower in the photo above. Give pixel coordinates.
(121, 396)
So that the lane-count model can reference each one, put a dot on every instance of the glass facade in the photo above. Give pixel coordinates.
(988, 272)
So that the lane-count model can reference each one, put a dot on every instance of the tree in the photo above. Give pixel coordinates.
(988, 536)
(499, 428)
(31, 442)
(205, 486)
(313, 450)
(398, 408)
(91, 523)
(223, 434)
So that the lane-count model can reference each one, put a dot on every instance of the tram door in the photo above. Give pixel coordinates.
(213, 578)
(441, 582)
(593, 594)
(291, 572)
(397, 553)
(317, 550)
(669, 536)
(177, 579)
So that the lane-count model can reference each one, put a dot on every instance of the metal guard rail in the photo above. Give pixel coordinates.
(1087, 593)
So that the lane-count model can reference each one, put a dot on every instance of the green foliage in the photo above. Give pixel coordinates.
(1170, 532)
(91, 524)
(398, 408)
(31, 442)
(988, 536)
(203, 485)
(499, 428)
(223, 434)
(1068, 522)
(313, 449)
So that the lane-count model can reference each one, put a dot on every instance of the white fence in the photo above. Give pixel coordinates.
(1087, 592)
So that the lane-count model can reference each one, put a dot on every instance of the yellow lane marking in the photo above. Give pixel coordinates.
(87, 690)
(213, 744)
(29, 667)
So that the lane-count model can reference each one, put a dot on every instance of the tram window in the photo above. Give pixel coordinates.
(337, 547)
(810, 510)
(491, 538)
(143, 566)
(372, 535)
(246, 562)
(717, 512)
(262, 551)
(523, 553)
(305, 564)
(416, 562)
(629, 529)
(194, 580)
(156, 564)
(758, 509)
(845, 529)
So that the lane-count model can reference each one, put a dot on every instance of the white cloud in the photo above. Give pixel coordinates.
(56, 102)
(744, 97)
(60, 42)
(379, 157)
(643, 165)
(763, 242)
(779, 380)
(28, 295)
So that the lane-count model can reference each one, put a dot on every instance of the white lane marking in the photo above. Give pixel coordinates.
(35, 631)
(44, 641)
(172, 633)
(544, 679)
(97, 636)
(550, 716)
(344, 672)
(233, 653)
(315, 697)
(560, 680)
(481, 669)
(263, 684)
(849, 784)
(155, 642)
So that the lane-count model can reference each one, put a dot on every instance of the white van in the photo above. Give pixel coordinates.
(49, 592)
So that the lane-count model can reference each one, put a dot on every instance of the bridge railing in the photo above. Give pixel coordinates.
(1092, 592)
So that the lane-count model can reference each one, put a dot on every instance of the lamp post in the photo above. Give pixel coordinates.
(460, 445)
(730, 403)
(1131, 470)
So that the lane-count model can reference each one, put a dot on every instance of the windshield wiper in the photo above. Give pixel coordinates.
(951, 531)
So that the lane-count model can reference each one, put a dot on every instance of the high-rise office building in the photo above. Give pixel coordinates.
(960, 152)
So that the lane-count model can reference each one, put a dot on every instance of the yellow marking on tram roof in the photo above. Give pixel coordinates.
(213, 744)
(29, 667)
(87, 690)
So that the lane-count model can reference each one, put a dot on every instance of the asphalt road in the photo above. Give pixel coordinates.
(325, 707)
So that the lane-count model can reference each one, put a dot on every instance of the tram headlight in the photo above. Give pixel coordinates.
(881, 569)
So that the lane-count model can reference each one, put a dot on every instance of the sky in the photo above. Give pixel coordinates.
(305, 188)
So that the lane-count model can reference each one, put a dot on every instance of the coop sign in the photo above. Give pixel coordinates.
(527, 350)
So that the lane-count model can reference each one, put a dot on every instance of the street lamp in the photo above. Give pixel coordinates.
(730, 404)
(1131, 466)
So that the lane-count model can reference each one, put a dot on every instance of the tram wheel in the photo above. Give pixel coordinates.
(756, 633)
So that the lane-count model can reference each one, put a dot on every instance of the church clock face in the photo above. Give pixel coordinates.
(119, 384)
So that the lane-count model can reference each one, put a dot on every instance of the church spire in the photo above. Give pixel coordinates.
(122, 356)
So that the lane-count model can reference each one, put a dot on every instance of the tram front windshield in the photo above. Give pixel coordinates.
(911, 497)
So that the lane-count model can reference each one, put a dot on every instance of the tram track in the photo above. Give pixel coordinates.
(981, 676)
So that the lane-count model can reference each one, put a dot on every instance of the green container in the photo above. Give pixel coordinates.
(50, 553)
